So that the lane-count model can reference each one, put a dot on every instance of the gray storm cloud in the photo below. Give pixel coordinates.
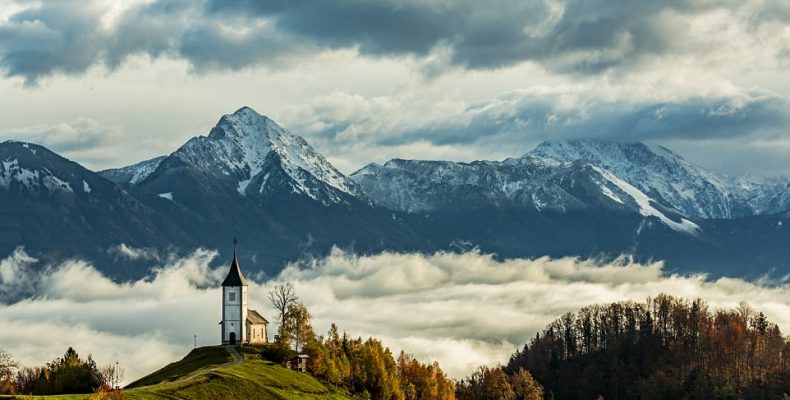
(511, 124)
(569, 36)
(460, 309)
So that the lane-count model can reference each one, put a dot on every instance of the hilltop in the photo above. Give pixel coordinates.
(215, 371)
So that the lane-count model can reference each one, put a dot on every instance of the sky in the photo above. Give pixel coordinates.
(108, 83)
(462, 310)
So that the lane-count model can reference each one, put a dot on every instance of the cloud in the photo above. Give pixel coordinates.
(17, 278)
(134, 253)
(85, 139)
(143, 324)
(573, 36)
(510, 124)
(567, 36)
(460, 309)
(516, 116)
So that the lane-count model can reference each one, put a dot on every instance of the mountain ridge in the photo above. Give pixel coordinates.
(251, 178)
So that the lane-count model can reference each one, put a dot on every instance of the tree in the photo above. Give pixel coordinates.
(423, 381)
(282, 297)
(8, 370)
(297, 326)
(112, 375)
(525, 387)
(486, 384)
(665, 348)
(69, 374)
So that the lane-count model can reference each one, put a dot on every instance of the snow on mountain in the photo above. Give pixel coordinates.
(253, 152)
(134, 173)
(537, 183)
(31, 178)
(646, 204)
(671, 180)
(10, 171)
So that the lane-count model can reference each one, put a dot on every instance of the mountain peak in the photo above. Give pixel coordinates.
(599, 150)
(247, 114)
(663, 175)
(251, 150)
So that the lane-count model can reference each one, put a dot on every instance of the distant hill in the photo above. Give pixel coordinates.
(665, 348)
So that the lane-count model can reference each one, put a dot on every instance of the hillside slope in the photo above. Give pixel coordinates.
(221, 372)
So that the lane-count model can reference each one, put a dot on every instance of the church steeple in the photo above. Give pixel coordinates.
(235, 277)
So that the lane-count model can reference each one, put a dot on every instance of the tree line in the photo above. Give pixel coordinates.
(664, 348)
(364, 367)
(69, 374)
(368, 369)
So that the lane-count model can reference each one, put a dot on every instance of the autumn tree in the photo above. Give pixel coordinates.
(486, 384)
(525, 387)
(298, 327)
(423, 381)
(666, 347)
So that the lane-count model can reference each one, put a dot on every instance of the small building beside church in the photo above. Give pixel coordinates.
(239, 325)
(298, 363)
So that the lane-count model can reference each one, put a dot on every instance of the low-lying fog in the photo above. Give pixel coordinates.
(462, 310)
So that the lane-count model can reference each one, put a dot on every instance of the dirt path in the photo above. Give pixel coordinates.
(237, 358)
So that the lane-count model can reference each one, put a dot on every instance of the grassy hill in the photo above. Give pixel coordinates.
(220, 372)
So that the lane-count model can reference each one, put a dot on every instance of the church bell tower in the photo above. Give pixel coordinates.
(234, 304)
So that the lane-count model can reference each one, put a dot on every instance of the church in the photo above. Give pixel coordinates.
(240, 325)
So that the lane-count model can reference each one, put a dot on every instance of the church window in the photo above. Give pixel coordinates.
(232, 296)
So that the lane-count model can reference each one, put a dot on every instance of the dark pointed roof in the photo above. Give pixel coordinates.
(235, 277)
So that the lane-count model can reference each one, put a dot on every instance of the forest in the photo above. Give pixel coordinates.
(664, 348)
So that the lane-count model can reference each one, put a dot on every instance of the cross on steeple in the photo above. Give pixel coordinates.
(235, 277)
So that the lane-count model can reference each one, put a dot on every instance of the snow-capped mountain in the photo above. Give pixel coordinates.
(251, 178)
(259, 158)
(535, 183)
(134, 173)
(671, 180)
(55, 206)
(20, 170)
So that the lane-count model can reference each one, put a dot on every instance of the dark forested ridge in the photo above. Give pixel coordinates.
(665, 348)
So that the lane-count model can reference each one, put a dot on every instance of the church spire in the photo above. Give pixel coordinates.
(235, 277)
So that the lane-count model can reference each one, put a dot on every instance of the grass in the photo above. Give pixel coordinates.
(209, 373)
(254, 379)
(198, 359)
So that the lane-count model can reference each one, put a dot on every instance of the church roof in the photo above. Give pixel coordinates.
(235, 277)
(256, 318)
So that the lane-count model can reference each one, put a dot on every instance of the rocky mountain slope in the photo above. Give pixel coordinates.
(259, 157)
(671, 180)
(56, 208)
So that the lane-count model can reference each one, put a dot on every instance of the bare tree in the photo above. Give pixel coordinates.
(281, 298)
(112, 375)
(8, 369)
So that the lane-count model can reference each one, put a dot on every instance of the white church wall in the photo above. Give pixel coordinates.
(234, 312)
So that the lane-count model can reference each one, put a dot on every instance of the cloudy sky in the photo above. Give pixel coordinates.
(462, 310)
(107, 83)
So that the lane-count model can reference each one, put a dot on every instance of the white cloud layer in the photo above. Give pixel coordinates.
(460, 309)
